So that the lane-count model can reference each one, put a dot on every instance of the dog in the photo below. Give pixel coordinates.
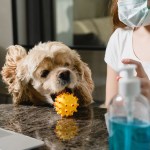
(48, 69)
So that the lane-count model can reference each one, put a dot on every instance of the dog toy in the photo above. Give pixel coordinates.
(66, 104)
(66, 129)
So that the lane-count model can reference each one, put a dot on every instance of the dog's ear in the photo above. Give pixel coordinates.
(84, 71)
(86, 84)
(14, 56)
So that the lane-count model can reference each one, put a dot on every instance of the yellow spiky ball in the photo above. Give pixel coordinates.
(66, 129)
(66, 104)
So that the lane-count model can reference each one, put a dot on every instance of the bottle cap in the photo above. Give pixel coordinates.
(129, 84)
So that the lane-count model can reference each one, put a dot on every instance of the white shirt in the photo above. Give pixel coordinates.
(120, 46)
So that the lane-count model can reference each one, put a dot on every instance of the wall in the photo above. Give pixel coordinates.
(6, 38)
(64, 21)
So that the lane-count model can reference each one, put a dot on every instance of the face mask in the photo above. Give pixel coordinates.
(134, 13)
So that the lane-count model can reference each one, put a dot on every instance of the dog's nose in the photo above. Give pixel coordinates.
(65, 76)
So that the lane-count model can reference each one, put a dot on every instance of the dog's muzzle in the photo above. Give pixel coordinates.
(66, 90)
(64, 77)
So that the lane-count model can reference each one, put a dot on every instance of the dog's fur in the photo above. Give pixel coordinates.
(46, 70)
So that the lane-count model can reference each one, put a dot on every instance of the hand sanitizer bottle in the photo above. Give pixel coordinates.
(129, 115)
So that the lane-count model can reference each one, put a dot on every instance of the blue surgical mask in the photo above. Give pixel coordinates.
(134, 13)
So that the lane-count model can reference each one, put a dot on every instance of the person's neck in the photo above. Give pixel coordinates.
(143, 30)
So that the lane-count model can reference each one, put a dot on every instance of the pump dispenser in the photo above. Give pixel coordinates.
(129, 115)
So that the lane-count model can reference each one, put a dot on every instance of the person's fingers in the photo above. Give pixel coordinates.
(139, 69)
(146, 93)
(118, 78)
(145, 87)
(145, 83)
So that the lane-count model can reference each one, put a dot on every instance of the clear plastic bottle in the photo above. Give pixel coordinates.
(129, 115)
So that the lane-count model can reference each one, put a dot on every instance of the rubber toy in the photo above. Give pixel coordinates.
(66, 104)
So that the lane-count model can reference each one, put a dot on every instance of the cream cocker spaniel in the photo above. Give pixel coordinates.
(46, 70)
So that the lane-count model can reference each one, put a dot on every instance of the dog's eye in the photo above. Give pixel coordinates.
(44, 73)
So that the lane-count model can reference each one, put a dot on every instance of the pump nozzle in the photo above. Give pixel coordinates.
(129, 88)
(129, 85)
(128, 70)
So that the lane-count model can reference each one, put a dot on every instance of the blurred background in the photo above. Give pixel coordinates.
(83, 25)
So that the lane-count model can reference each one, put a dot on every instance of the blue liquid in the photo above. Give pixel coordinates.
(129, 136)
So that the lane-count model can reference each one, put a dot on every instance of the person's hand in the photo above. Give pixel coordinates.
(145, 82)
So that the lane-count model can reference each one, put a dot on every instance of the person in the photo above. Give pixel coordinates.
(129, 44)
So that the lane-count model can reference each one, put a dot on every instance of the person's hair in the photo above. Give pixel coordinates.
(114, 12)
